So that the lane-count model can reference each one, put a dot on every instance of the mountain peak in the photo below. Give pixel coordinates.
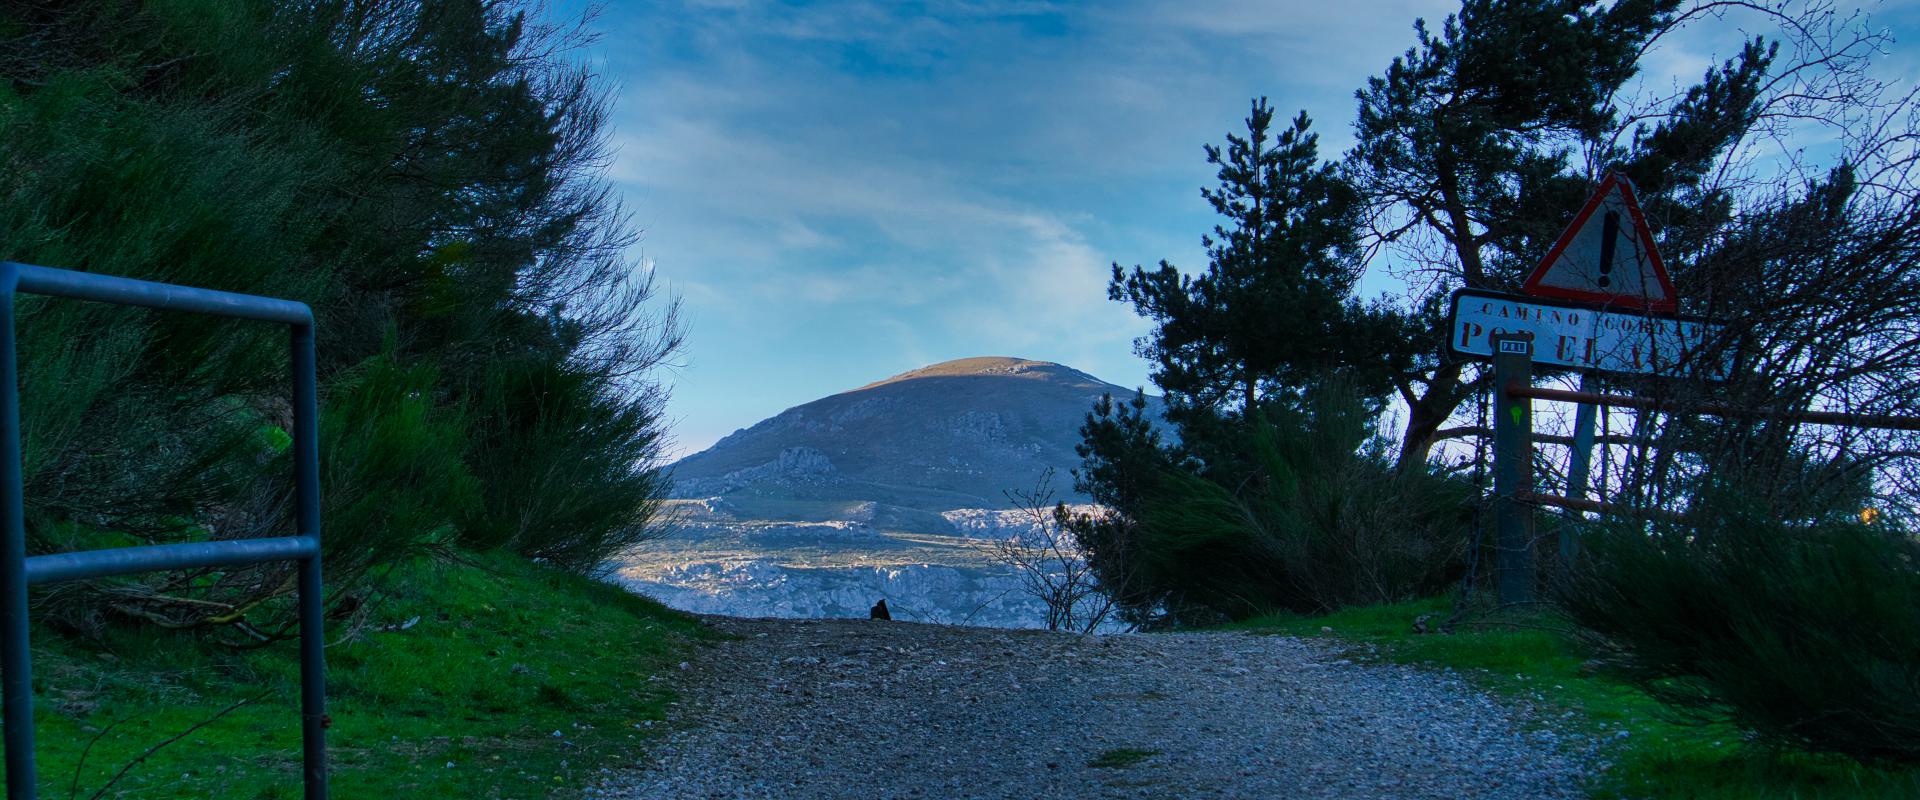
(998, 366)
(956, 434)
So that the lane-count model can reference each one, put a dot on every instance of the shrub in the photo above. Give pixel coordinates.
(1314, 518)
(390, 466)
(568, 465)
(430, 179)
(1807, 634)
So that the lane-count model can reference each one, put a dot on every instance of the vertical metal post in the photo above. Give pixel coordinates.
(16, 569)
(16, 661)
(1579, 466)
(306, 475)
(1513, 467)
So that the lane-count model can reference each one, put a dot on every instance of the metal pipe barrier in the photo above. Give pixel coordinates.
(1602, 507)
(18, 570)
(1514, 439)
(1881, 421)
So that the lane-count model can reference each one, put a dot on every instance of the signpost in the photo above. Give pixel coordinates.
(1601, 301)
(1513, 473)
(1571, 335)
(1580, 463)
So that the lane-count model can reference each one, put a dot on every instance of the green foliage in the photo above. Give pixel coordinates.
(1531, 656)
(401, 715)
(1475, 147)
(391, 464)
(1474, 130)
(1806, 634)
(1273, 309)
(1318, 520)
(427, 176)
(1233, 518)
(1121, 451)
(1121, 758)
(567, 465)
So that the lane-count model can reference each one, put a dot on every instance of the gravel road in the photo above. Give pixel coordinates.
(808, 709)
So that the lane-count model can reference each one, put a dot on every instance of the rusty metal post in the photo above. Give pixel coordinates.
(1513, 468)
(1579, 467)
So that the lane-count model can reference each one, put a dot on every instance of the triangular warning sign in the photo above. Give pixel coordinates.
(1606, 256)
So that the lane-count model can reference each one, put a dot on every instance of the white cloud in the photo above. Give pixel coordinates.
(858, 182)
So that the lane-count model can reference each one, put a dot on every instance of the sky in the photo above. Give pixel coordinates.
(840, 192)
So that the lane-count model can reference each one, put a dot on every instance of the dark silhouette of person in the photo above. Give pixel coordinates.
(879, 611)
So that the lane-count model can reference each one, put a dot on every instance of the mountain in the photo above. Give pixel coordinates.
(953, 435)
(895, 491)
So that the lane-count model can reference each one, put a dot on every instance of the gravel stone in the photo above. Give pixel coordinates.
(808, 709)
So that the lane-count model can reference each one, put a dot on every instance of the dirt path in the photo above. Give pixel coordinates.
(854, 709)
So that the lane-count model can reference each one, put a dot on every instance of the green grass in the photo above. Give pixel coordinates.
(1121, 757)
(516, 682)
(1651, 753)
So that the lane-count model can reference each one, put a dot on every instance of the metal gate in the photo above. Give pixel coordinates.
(18, 571)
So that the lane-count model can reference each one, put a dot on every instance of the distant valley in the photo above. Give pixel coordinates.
(893, 490)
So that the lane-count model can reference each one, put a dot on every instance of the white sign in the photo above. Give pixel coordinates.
(1575, 336)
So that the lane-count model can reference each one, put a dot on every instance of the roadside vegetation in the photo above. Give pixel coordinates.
(1748, 628)
(1539, 658)
(1331, 451)
(471, 680)
(429, 178)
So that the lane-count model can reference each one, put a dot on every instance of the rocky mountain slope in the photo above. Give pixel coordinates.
(958, 434)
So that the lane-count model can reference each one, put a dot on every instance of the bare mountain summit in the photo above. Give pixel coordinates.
(952, 435)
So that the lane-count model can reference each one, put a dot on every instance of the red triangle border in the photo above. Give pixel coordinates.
(1670, 305)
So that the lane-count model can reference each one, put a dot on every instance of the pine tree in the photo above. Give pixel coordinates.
(1468, 143)
(1272, 313)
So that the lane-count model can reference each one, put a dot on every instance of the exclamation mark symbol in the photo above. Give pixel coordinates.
(1609, 235)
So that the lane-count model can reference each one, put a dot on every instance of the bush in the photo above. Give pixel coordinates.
(1806, 634)
(429, 177)
(391, 470)
(1316, 519)
(568, 465)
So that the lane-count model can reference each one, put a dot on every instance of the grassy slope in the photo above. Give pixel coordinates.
(465, 703)
(1657, 756)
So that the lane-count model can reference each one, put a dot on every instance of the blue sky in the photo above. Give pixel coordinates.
(844, 191)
